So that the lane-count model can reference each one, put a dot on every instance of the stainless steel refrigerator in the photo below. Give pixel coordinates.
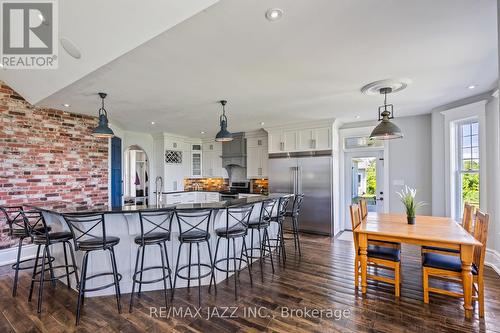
(311, 176)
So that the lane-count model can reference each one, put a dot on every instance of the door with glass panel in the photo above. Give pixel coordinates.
(364, 172)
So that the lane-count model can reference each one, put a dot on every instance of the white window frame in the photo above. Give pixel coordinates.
(451, 118)
(459, 170)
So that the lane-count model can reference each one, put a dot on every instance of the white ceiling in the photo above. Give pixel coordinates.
(309, 65)
(102, 31)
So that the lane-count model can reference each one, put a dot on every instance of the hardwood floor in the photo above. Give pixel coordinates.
(321, 279)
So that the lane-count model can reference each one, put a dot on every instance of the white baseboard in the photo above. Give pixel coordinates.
(8, 256)
(493, 260)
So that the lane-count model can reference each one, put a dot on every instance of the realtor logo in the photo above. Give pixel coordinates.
(29, 34)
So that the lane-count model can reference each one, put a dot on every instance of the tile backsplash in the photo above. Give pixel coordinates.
(260, 185)
(206, 184)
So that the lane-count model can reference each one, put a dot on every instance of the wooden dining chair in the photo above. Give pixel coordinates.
(385, 257)
(466, 224)
(449, 267)
(363, 209)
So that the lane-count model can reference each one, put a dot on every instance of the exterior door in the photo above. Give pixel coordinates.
(116, 172)
(364, 178)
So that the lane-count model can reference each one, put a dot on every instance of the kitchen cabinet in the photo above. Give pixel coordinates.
(191, 197)
(257, 157)
(303, 139)
(212, 160)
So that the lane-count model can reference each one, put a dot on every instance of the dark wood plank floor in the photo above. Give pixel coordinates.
(321, 279)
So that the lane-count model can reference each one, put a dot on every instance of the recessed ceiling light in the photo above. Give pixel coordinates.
(357, 117)
(202, 132)
(66, 105)
(152, 123)
(262, 123)
(274, 14)
(471, 87)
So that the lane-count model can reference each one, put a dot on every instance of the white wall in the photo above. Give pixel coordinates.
(410, 160)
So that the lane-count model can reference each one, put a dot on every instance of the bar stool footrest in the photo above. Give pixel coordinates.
(195, 277)
(231, 259)
(101, 287)
(55, 278)
(148, 269)
(52, 259)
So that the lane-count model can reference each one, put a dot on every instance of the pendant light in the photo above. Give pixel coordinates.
(386, 130)
(103, 130)
(224, 135)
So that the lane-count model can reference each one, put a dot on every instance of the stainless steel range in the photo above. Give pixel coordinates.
(235, 188)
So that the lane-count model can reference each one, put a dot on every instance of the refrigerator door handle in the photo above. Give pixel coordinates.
(299, 181)
(294, 176)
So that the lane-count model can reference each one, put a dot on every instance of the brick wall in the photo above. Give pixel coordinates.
(48, 154)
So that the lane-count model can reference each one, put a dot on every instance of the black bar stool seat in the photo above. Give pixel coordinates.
(231, 232)
(153, 238)
(257, 224)
(52, 237)
(194, 236)
(97, 243)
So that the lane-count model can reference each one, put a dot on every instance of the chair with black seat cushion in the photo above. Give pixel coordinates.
(193, 229)
(155, 230)
(237, 219)
(279, 218)
(262, 223)
(386, 257)
(466, 224)
(17, 229)
(88, 231)
(42, 235)
(294, 215)
(449, 266)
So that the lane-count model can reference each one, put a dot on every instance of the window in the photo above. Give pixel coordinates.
(467, 164)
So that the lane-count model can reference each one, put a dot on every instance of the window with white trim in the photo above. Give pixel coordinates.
(468, 167)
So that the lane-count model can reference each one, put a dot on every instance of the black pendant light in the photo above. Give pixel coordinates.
(386, 130)
(224, 135)
(103, 130)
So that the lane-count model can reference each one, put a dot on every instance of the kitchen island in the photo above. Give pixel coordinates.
(123, 222)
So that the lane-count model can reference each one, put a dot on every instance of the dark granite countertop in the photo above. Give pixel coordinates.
(188, 191)
(61, 207)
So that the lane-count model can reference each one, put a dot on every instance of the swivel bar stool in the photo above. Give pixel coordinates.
(193, 229)
(42, 235)
(237, 219)
(263, 223)
(155, 230)
(17, 229)
(294, 215)
(89, 234)
(279, 219)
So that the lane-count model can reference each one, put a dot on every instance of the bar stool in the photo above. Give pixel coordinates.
(155, 230)
(17, 229)
(89, 234)
(263, 223)
(279, 219)
(294, 215)
(193, 229)
(42, 235)
(237, 220)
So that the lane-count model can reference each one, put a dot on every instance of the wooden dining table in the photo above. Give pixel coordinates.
(436, 231)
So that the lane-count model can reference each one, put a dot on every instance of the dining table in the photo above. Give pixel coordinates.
(443, 232)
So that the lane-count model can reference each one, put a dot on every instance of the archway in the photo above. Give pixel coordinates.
(136, 176)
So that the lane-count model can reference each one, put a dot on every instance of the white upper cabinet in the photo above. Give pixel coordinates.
(212, 160)
(257, 157)
(300, 138)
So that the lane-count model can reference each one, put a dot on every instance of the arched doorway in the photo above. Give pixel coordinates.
(136, 177)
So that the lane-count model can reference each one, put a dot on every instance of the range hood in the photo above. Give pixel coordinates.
(234, 153)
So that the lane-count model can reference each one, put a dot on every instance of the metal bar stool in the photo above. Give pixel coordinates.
(279, 244)
(155, 230)
(17, 229)
(237, 219)
(263, 223)
(42, 235)
(193, 229)
(294, 215)
(89, 234)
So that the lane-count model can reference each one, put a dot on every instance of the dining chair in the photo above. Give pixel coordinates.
(363, 214)
(449, 266)
(363, 208)
(385, 257)
(466, 224)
